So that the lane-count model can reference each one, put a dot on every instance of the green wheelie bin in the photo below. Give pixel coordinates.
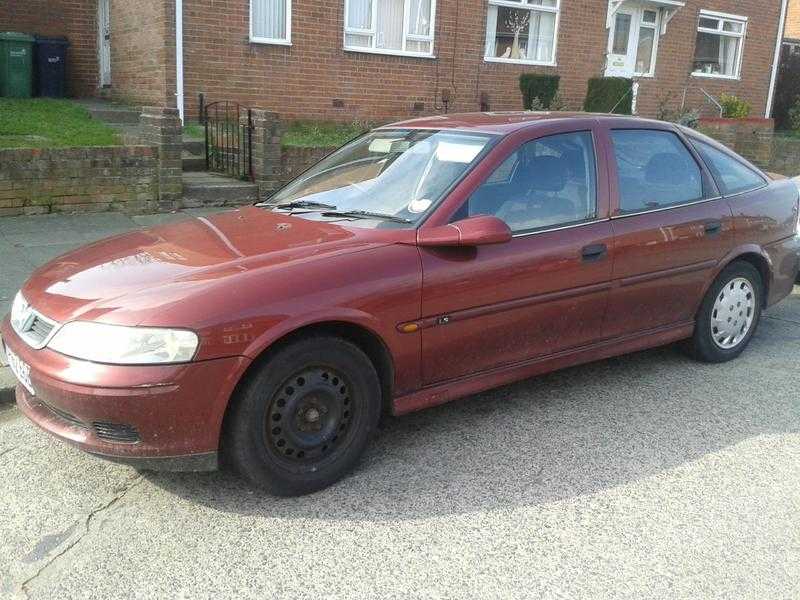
(16, 65)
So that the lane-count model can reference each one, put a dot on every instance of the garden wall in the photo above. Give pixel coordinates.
(756, 140)
(136, 178)
(35, 181)
(295, 160)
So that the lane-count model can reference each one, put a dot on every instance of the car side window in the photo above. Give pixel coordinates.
(548, 182)
(655, 170)
(732, 176)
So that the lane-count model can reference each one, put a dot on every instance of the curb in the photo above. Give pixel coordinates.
(7, 385)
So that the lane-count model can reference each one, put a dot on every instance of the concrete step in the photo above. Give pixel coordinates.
(211, 189)
(196, 147)
(193, 162)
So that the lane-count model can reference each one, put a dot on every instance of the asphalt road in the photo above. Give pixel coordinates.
(643, 476)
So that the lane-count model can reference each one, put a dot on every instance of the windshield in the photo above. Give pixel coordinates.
(384, 178)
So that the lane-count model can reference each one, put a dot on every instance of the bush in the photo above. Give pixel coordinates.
(794, 115)
(609, 95)
(543, 87)
(734, 107)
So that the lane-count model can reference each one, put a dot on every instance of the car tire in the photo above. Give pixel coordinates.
(729, 315)
(302, 420)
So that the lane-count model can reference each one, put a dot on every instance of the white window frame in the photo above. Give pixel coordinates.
(522, 5)
(277, 41)
(373, 33)
(656, 27)
(722, 17)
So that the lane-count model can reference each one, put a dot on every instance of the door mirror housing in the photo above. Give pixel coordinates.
(473, 231)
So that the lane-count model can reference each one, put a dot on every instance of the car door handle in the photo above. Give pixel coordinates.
(594, 252)
(713, 227)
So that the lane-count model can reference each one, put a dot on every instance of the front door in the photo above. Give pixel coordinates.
(632, 41)
(621, 43)
(104, 41)
(671, 229)
(543, 292)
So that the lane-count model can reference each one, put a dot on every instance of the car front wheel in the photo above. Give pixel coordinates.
(303, 419)
(729, 315)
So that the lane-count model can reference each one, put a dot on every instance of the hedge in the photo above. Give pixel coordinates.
(543, 87)
(609, 94)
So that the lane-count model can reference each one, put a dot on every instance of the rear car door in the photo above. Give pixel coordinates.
(543, 292)
(671, 229)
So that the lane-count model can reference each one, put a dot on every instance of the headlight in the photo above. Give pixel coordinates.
(115, 344)
(19, 312)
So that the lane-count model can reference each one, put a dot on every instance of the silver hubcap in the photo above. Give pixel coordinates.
(733, 314)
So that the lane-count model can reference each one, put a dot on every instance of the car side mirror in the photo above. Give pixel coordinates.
(473, 231)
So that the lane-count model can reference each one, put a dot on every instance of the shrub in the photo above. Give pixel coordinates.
(794, 115)
(543, 87)
(558, 104)
(609, 95)
(734, 107)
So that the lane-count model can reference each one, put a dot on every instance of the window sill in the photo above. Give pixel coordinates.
(270, 41)
(712, 76)
(518, 61)
(389, 52)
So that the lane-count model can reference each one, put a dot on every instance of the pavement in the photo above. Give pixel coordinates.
(644, 476)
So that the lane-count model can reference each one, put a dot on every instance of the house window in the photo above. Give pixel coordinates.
(390, 26)
(271, 21)
(718, 51)
(522, 31)
(645, 49)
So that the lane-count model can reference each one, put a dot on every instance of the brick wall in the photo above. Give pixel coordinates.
(756, 140)
(78, 179)
(295, 160)
(793, 21)
(302, 80)
(143, 52)
(74, 19)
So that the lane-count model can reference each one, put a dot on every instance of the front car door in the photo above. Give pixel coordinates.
(671, 228)
(541, 293)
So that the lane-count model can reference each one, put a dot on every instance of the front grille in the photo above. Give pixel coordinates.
(113, 432)
(34, 328)
(40, 329)
(64, 415)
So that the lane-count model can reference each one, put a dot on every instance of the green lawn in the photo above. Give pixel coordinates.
(194, 130)
(49, 123)
(316, 134)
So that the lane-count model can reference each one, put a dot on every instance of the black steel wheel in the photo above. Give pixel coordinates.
(308, 415)
(304, 416)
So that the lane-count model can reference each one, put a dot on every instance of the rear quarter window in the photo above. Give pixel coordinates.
(655, 170)
(732, 175)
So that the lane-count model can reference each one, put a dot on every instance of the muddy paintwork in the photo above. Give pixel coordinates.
(457, 309)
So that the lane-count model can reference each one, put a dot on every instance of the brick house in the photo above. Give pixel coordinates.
(381, 59)
(791, 35)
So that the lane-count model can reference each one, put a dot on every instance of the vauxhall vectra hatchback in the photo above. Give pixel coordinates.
(424, 261)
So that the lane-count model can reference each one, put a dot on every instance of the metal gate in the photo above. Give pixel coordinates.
(229, 139)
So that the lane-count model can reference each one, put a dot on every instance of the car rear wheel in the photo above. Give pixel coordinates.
(729, 315)
(303, 419)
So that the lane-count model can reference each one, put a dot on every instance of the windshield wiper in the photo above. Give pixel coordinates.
(305, 204)
(365, 214)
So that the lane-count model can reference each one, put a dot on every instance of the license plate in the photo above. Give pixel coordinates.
(21, 369)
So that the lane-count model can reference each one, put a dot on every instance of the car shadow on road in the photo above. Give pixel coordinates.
(555, 437)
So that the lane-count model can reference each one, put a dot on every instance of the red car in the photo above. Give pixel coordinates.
(424, 261)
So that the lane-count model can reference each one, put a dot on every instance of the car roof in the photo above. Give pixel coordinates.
(504, 123)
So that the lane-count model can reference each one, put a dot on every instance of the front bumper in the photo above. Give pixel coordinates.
(164, 417)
